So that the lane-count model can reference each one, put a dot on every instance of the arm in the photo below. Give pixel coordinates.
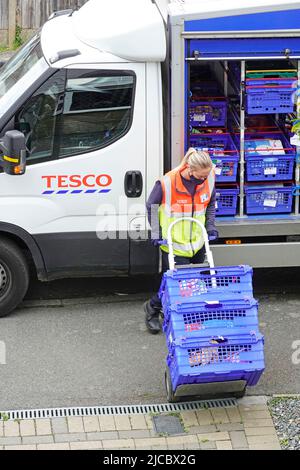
(211, 212)
(152, 205)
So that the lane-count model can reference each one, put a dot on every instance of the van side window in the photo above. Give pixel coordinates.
(38, 119)
(75, 112)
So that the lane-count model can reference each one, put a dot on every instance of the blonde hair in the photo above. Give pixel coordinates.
(196, 159)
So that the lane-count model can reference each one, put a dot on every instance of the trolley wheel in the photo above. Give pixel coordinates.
(169, 388)
(240, 394)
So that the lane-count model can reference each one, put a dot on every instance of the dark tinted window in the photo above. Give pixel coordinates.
(76, 113)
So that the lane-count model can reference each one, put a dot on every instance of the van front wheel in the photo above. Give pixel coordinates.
(14, 276)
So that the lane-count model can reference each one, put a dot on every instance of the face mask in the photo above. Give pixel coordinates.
(195, 180)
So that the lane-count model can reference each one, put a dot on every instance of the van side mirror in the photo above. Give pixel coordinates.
(13, 147)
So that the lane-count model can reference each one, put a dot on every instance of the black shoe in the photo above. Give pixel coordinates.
(152, 318)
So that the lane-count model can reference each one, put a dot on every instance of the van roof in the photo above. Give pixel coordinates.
(204, 9)
(131, 30)
(134, 30)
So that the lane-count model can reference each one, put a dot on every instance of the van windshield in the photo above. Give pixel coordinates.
(20, 64)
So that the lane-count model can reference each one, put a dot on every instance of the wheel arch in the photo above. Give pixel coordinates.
(26, 242)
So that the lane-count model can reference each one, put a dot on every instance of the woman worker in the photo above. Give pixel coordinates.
(186, 191)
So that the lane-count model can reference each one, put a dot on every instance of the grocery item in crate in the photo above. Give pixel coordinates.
(214, 151)
(223, 353)
(196, 284)
(227, 353)
(204, 356)
(264, 147)
(210, 314)
(192, 287)
(223, 152)
(206, 130)
(194, 362)
(208, 111)
(225, 169)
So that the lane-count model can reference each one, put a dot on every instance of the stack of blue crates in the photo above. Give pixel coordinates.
(211, 325)
(223, 153)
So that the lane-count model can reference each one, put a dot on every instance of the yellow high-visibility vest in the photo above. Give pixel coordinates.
(177, 202)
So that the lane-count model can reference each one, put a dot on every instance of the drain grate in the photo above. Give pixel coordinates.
(115, 410)
(167, 425)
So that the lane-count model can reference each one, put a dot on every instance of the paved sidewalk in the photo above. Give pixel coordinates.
(246, 426)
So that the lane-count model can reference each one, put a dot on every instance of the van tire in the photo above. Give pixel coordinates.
(14, 276)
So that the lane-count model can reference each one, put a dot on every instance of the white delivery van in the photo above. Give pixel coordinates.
(96, 107)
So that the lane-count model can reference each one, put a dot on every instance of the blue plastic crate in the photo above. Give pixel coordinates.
(196, 318)
(269, 100)
(226, 201)
(264, 160)
(223, 153)
(209, 111)
(194, 284)
(270, 169)
(269, 199)
(270, 82)
(239, 358)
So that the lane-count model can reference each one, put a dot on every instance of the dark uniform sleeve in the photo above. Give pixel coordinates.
(211, 212)
(153, 203)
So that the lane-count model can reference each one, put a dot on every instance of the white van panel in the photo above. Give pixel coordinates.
(58, 35)
(135, 32)
(24, 203)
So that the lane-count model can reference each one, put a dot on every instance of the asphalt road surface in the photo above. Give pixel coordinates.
(280, 280)
(93, 348)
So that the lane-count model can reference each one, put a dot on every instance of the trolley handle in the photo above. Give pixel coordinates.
(206, 242)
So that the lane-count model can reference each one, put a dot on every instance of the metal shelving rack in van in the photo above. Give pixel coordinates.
(297, 169)
(242, 137)
(240, 121)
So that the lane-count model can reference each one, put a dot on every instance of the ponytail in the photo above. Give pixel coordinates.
(196, 159)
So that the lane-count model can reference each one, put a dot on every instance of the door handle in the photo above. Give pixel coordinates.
(133, 183)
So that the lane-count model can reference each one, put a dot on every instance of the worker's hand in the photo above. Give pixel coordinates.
(157, 242)
(213, 235)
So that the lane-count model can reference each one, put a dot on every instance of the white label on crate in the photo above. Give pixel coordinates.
(199, 117)
(270, 202)
(218, 170)
(271, 171)
(216, 205)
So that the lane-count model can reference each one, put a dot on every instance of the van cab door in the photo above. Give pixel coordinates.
(85, 135)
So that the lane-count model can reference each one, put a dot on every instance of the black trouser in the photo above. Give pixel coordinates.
(198, 258)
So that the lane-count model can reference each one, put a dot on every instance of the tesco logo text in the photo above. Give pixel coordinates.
(75, 181)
